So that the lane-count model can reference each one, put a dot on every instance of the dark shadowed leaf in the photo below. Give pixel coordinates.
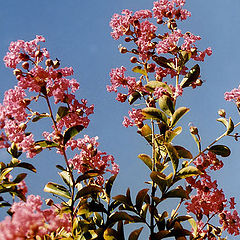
(220, 150)
(176, 193)
(191, 76)
(183, 152)
(171, 134)
(109, 184)
(90, 189)
(134, 97)
(89, 174)
(19, 177)
(71, 132)
(110, 234)
(140, 198)
(178, 115)
(163, 62)
(173, 154)
(161, 180)
(146, 132)
(57, 189)
(166, 104)
(27, 166)
(62, 112)
(230, 127)
(135, 234)
(118, 216)
(154, 113)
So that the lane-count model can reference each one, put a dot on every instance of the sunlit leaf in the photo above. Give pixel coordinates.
(146, 159)
(154, 113)
(178, 114)
(230, 127)
(171, 134)
(166, 104)
(46, 144)
(146, 132)
(188, 171)
(110, 234)
(183, 152)
(161, 180)
(57, 189)
(220, 150)
(71, 132)
(66, 178)
(152, 85)
(40, 116)
(138, 69)
(173, 154)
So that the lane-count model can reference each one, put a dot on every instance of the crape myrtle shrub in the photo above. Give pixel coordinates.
(165, 63)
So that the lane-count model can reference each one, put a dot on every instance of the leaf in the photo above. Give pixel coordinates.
(191, 76)
(166, 104)
(220, 150)
(135, 234)
(154, 113)
(134, 97)
(161, 180)
(183, 153)
(178, 115)
(71, 132)
(40, 116)
(66, 178)
(138, 69)
(57, 189)
(140, 198)
(151, 85)
(188, 171)
(118, 216)
(146, 132)
(27, 166)
(185, 56)
(19, 177)
(171, 134)
(109, 184)
(163, 62)
(224, 121)
(161, 234)
(110, 234)
(230, 127)
(88, 174)
(176, 193)
(46, 144)
(146, 159)
(90, 189)
(197, 141)
(173, 154)
(62, 112)
(121, 198)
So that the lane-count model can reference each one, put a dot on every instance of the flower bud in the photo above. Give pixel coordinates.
(24, 57)
(151, 67)
(49, 202)
(128, 31)
(123, 50)
(128, 39)
(222, 113)
(59, 75)
(22, 126)
(193, 130)
(135, 51)
(90, 146)
(160, 21)
(133, 59)
(79, 112)
(26, 101)
(25, 65)
(198, 82)
(49, 62)
(38, 54)
(136, 23)
(94, 152)
(17, 72)
(37, 149)
(56, 64)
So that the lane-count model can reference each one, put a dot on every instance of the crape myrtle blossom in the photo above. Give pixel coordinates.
(29, 221)
(90, 158)
(233, 95)
(135, 118)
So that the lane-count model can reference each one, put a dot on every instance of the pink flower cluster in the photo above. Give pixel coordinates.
(29, 221)
(90, 158)
(209, 200)
(136, 118)
(233, 95)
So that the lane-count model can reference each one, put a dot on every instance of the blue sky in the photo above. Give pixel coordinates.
(78, 33)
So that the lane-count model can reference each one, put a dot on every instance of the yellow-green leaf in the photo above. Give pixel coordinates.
(138, 69)
(154, 113)
(57, 189)
(178, 115)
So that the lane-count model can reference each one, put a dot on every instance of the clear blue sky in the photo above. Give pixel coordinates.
(78, 33)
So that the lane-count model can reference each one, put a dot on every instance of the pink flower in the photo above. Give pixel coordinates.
(230, 222)
(233, 95)
(136, 118)
(159, 92)
(232, 203)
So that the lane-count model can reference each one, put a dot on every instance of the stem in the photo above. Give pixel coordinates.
(216, 140)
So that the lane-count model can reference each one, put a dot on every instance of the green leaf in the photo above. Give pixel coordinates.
(109, 184)
(166, 104)
(118, 216)
(66, 178)
(224, 121)
(176, 193)
(134, 97)
(161, 180)
(178, 115)
(220, 150)
(135, 234)
(88, 190)
(40, 116)
(188, 171)
(71, 132)
(62, 112)
(185, 56)
(4, 172)
(163, 62)
(191, 76)
(89, 174)
(57, 189)
(146, 159)
(161, 234)
(154, 113)
(197, 141)
(146, 132)
(173, 154)
(140, 198)
(46, 144)
(183, 152)
(230, 127)
(171, 134)
(152, 85)
(138, 69)
(19, 177)
(27, 166)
